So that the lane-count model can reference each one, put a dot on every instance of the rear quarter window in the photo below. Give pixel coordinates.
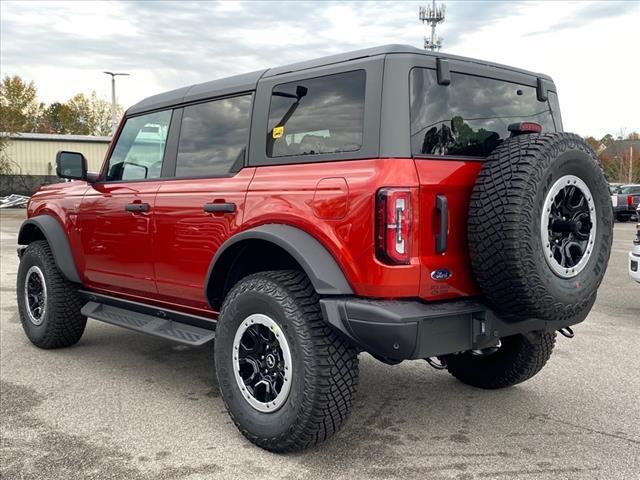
(470, 116)
(317, 115)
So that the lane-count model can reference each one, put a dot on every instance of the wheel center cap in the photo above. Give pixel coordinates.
(270, 361)
(563, 226)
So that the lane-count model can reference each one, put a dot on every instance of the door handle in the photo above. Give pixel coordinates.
(219, 207)
(137, 207)
(442, 206)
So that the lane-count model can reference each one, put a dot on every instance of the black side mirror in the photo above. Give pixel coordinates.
(71, 165)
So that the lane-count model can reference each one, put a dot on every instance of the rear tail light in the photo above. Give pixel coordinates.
(524, 127)
(630, 200)
(393, 226)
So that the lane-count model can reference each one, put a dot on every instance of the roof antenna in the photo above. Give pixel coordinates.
(433, 15)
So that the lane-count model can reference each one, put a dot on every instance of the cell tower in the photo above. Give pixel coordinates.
(433, 15)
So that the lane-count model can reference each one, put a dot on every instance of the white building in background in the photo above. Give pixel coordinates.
(32, 158)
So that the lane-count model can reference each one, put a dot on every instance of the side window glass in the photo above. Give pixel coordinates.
(213, 137)
(139, 150)
(317, 115)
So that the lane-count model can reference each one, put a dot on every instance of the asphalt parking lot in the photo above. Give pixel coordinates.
(120, 405)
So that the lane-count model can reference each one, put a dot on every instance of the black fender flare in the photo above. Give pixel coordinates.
(322, 269)
(57, 240)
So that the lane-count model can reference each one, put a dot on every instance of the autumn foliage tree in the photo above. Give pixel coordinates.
(20, 111)
(620, 156)
(80, 115)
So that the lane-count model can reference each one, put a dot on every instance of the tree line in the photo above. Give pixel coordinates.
(619, 155)
(22, 112)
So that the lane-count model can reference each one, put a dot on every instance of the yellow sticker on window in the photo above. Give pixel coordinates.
(278, 132)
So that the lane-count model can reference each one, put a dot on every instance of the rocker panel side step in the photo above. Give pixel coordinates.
(149, 324)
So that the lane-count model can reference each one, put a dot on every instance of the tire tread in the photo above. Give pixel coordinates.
(332, 369)
(526, 355)
(500, 221)
(65, 324)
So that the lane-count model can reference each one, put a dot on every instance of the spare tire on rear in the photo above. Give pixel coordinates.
(540, 228)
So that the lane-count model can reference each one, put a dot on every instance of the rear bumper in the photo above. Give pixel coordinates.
(625, 209)
(403, 330)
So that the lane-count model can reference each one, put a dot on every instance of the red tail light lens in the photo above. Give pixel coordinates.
(524, 127)
(393, 226)
(630, 200)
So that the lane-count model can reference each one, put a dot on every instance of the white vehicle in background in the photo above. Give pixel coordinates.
(634, 254)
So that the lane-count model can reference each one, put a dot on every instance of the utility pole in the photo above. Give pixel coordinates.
(114, 120)
(630, 163)
(432, 15)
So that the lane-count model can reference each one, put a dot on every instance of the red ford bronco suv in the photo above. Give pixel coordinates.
(408, 204)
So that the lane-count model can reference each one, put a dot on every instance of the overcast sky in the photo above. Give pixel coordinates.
(591, 49)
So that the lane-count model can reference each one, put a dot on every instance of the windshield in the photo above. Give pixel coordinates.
(470, 116)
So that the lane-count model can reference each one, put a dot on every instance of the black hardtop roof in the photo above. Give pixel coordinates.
(249, 81)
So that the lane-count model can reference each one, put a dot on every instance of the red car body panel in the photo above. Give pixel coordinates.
(62, 201)
(162, 256)
(186, 238)
(455, 179)
(289, 194)
(285, 194)
(118, 245)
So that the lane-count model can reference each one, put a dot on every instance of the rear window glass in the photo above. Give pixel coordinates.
(317, 115)
(470, 116)
(630, 189)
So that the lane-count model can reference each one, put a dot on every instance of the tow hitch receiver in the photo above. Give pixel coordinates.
(483, 352)
(437, 363)
(567, 332)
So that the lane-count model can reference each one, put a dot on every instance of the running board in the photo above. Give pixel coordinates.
(149, 324)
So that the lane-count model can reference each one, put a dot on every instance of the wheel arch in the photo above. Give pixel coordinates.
(46, 227)
(273, 247)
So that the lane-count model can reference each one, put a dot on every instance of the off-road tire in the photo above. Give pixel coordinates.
(518, 359)
(63, 324)
(325, 364)
(504, 228)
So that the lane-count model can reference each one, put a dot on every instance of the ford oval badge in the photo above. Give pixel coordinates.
(441, 274)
